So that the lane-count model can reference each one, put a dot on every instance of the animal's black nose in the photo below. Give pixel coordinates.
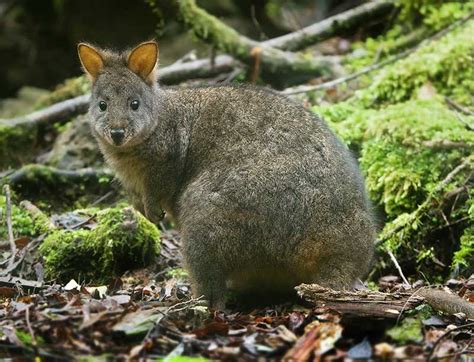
(117, 135)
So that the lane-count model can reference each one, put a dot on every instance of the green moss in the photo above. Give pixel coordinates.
(465, 255)
(445, 63)
(402, 164)
(122, 240)
(178, 273)
(433, 13)
(435, 16)
(70, 88)
(16, 144)
(408, 331)
(22, 222)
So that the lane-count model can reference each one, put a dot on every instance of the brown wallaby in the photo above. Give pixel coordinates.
(264, 195)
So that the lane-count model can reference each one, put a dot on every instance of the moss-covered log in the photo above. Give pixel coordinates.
(276, 64)
(62, 187)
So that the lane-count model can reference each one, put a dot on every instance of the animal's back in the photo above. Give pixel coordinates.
(273, 191)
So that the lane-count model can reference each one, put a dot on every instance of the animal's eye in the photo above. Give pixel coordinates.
(134, 105)
(102, 106)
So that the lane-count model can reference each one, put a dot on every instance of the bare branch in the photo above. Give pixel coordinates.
(331, 26)
(8, 217)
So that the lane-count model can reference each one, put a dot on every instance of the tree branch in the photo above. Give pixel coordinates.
(331, 26)
(274, 61)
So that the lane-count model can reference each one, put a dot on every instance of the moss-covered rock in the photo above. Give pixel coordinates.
(121, 240)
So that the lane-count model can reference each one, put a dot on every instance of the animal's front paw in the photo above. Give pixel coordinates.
(155, 216)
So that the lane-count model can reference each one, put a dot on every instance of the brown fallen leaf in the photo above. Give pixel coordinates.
(318, 339)
(7, 292)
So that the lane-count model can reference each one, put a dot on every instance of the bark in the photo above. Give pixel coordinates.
(350, 19)
(275, 62)
(361, 304)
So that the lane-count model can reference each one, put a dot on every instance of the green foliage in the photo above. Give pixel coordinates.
(70, 88)
(417, 20)
(22, 222)
(16, 144)
(446, 64)
(123, 239)
(436, 14)
(178, 273)
(408, 331)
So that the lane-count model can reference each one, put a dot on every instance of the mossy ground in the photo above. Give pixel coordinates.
(408, 140)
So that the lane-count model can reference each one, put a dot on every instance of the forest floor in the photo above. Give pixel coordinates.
(151, 314)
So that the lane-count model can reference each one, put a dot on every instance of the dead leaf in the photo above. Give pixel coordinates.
(72, 286)
(318, 339)
(214, 327)
(138, 322)
(7, 292)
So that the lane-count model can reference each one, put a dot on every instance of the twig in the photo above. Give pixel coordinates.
(347, 78)
(183, 305)
(30, 329)
(11, 238)
(446, 144)
(400, 271)
(22, 254)
(36, 213)
(371, 68)
(82, 223)
(438, 341)
(460, 119)
(24, 283)
(458, 107)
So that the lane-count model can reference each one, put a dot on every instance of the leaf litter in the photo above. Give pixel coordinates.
(151, 314)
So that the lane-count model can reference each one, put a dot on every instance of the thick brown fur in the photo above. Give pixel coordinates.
(264, 195)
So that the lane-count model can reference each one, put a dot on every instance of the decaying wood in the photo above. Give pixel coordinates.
(360, 304)
(350, 19)
(38, 173)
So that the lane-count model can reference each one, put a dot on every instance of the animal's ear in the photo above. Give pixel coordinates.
(143, 61)
(91, 60)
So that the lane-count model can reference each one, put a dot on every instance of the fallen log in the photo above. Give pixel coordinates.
(39, 181)
(360, 304)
